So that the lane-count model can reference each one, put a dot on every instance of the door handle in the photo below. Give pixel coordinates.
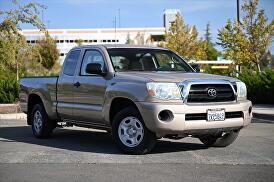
(77, 84)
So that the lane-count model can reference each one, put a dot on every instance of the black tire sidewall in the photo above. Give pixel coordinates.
(47, 126)
(149, 138)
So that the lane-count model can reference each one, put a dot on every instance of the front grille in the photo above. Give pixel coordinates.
(199, 93)
(203, 116)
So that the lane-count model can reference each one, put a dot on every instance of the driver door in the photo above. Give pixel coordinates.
(89, 91)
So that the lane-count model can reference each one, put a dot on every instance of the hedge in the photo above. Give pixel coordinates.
(260, 86)
(8, 88)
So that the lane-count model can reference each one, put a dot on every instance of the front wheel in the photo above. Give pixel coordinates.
(130, 132)
(223, 140)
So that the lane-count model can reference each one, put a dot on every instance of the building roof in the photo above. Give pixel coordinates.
(160, 30)
(171, 11)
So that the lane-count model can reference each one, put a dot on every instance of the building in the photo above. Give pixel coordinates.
(170, 17)
(69, 38)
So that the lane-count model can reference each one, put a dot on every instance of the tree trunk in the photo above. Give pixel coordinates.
(258, 64)
(259, 67)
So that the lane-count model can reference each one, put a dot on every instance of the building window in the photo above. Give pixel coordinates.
(28, 41)
(71, 41)
(67, 41)
(62, 54)
(61, 41)
(89, 40)
(32, 41)
(94, 40)
(104, 40)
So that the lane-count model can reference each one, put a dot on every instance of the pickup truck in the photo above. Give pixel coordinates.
(139, 94)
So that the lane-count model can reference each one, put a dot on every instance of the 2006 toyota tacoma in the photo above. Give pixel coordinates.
(139, 94)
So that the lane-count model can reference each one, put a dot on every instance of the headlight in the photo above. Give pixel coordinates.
(165, 91)
(241, 90)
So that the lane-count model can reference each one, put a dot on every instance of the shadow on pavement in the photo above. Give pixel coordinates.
(86, 141)
(262, 120)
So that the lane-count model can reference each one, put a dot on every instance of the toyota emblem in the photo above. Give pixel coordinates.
(212, 92)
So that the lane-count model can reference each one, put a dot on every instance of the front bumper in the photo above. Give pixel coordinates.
(179, 125)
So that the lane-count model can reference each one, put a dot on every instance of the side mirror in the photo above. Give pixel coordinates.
(95, 68)
(196, 67)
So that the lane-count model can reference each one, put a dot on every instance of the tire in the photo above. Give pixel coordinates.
(42, 126)
(222, 141)
(130, 133)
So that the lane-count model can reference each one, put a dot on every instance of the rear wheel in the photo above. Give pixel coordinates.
(42, 126)
(130, 132)
(222, 140)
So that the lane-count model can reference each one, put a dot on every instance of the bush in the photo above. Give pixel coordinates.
(260, 86)
(8, 88)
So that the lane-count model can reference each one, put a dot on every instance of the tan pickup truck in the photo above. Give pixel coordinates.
(139, 94)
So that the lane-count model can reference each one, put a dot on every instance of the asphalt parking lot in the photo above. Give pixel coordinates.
(75, 154)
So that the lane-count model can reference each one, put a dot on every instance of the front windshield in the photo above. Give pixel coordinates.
(136, 59)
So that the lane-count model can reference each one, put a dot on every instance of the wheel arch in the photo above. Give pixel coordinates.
(119, 103)
(32, 100)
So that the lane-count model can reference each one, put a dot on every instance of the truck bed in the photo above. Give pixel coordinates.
(44, 86)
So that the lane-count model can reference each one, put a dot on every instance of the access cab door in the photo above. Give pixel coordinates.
(65, 85)
(89, 90)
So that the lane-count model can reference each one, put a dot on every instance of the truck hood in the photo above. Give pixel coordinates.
(171, 76)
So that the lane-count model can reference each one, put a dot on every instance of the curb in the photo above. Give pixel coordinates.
(21, 116)
(9, 108)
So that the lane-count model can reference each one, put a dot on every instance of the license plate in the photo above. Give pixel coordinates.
(215, 115)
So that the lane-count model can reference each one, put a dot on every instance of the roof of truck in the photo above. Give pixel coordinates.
(126, 46)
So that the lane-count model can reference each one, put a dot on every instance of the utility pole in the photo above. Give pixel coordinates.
(119, 18)
(115, 28)
(238, 67)
(42, 16)
(238, 12)
(48, 23)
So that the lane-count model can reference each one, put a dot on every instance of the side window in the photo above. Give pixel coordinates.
(120, 63)
(71, 62)
(91, 56)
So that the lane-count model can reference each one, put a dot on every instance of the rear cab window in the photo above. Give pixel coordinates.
(71, 62)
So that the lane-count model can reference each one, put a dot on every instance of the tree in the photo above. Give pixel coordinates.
(47, 52)
(208, 33)
(140, 40)
(248, 42)
(183, 39)
(79, 42)
(12, 43)
(211, 51)
(129, 40)
(28, 14)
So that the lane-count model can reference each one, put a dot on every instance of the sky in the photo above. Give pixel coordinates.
(137, 13)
